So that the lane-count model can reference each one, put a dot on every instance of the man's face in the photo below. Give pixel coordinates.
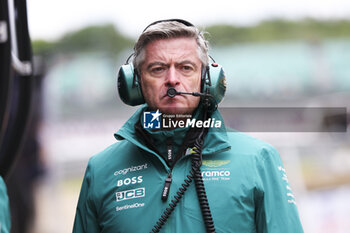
(171, 63)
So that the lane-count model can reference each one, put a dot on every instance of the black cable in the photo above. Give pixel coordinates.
(195, 174)
(179, 194)
(197, 162)
(200, 188)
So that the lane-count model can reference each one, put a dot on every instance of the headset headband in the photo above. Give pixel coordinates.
(184, 22)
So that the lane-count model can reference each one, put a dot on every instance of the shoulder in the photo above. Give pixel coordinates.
(102, 161)
(112, 153)
(119, 155)
(246, 145)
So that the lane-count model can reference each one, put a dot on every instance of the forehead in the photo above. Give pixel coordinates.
(172, 50)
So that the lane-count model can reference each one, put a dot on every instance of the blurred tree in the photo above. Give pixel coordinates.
(42, 47)
(103, 38)
(279, 29)
(106, 38)
(94, 38)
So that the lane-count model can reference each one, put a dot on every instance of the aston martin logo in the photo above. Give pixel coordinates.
(215, 163)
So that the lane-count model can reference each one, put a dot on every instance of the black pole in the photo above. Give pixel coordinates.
(21, 97)
(5, 57)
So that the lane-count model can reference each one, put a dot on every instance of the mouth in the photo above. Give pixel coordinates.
(166, 95)
(170, 93)
(174, 98)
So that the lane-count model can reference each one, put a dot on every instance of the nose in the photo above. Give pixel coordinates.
(172, 77)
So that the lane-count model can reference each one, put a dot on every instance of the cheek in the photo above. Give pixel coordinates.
(149, 89)
(197, 84)
(145, 88)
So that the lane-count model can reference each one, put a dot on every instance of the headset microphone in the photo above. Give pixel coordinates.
(172, 92)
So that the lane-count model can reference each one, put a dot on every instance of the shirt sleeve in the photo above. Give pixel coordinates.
(5, 221)
(86, 215)
(276, 209)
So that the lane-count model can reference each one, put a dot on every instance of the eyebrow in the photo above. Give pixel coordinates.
(187, 62)
(154, 64)
(164, 64)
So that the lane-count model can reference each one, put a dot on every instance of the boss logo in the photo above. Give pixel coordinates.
(127, 181)
(130, 194)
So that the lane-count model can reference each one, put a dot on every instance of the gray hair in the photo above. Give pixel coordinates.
(167, 30)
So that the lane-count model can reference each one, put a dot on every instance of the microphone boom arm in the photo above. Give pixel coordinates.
(172, 92)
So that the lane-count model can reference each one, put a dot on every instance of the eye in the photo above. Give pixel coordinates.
(157, 70)
(187, 69)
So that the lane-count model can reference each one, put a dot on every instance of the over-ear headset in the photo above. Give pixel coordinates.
(129, 86)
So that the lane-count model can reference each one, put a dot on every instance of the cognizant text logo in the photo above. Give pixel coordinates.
(130, 169)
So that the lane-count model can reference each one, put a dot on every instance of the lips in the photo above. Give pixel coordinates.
(166, 95)
(175, 97)
(169, 89)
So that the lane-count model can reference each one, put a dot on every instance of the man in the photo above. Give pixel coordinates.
(5, 221)
(144, 182)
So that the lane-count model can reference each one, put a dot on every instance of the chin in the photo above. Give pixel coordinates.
(176, 106)
(176, 110)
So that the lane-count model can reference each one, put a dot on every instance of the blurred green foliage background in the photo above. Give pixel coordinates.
(108, 38)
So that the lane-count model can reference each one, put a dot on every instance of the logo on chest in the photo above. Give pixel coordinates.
(128, 181)
(215, 170)
(130, 194)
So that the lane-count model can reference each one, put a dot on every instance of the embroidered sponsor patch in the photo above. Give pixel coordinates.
(215, 163)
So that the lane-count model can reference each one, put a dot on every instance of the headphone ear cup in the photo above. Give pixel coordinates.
(129, 88)
(218, 82)
(204, 78)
